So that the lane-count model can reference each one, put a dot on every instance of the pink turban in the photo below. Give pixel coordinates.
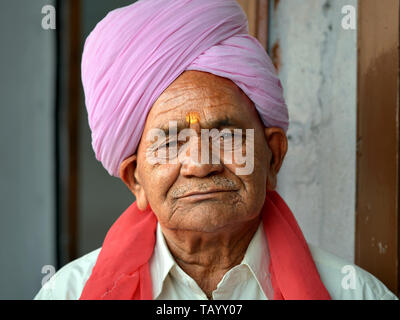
(137, 51)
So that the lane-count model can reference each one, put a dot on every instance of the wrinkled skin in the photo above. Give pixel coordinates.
(208, 230)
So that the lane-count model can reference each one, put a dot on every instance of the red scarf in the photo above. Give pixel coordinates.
(122, 268)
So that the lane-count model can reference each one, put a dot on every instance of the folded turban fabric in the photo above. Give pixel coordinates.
(137, 51)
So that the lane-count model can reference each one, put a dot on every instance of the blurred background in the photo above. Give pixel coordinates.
(340, 176)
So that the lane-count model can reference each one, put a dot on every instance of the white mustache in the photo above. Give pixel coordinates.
(219, 183)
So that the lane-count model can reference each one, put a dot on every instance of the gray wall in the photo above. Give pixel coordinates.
(102, 198)
(318, 72)
(27, 84)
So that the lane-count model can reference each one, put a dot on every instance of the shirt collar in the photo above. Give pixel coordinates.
(161, 262)
(256, 258)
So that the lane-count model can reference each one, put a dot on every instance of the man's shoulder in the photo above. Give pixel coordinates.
(343, 280)
(347, 281)
(69, 281)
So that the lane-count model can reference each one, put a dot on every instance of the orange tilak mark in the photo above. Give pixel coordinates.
(192, 118)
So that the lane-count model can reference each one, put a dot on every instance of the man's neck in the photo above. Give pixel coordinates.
(206, 257)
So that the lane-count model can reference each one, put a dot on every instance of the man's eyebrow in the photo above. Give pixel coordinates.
(180, 126)
(217, 124)
(221, 123)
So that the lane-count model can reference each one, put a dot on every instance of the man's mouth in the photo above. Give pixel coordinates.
(205, 194)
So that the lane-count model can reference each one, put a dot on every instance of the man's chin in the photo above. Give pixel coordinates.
(206, 218)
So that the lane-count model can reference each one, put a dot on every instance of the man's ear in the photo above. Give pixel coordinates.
(277, 143)
(129, 175)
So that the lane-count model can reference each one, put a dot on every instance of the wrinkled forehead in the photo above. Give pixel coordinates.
(200, 95)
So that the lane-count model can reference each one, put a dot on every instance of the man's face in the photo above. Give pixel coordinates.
(197, 196)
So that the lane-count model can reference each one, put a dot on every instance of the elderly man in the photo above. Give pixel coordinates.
(185, 107)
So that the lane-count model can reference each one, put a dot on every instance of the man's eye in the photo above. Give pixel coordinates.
(169, 144)
(225, 136)
(230, 136)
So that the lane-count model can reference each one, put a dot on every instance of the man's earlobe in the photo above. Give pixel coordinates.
(128, 174)
(271, 182)
(277, 143)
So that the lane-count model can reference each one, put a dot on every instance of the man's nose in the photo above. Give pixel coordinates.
(194, 165)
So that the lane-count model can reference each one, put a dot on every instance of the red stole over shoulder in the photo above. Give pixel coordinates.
(122, 268)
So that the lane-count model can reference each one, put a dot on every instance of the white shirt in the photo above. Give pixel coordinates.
(250, 280)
